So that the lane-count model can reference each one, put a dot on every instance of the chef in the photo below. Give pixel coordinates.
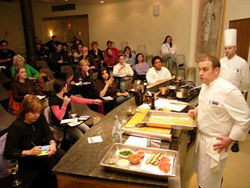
(234, 68)
(223, 116)
(157, 72)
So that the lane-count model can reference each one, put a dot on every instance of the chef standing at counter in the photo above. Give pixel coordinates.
(223, 116)
(234, 68)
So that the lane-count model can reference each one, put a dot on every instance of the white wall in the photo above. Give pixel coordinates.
(131, 21)
(11, 26)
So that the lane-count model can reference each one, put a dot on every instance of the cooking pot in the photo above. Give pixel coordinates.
(182, 93)
(163, 90)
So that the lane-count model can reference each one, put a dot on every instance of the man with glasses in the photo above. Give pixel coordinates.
(6, 57)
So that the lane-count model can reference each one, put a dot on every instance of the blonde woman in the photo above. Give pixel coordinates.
(19, 61)
(82, 82)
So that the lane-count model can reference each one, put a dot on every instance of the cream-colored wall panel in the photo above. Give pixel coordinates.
(131, 21)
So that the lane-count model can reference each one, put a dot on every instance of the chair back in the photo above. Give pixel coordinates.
(4, 95)
(42, 64)
(49, 72)
(123, 45)
(142, 49)
(67, 70)
(49, 85)
(180, 60)
(47, 114)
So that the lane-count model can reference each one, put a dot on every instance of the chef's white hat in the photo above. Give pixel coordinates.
(230, 37)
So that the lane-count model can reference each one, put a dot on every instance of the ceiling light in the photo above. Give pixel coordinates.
(101, 2)
(66, 0)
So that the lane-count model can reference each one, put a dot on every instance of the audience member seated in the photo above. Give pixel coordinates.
(141, 67)
(60, 107)
(110, 59)
(26, 136)
(60, 58)
(22, 86)
(122, 71)
(6, 57)
(157, 72)
(97, 54)
(19, 61)
(52, 44)
(89, 57)
(168, 51)
(78, 54)
(110, 46)
(76, 42)
(42, 53)
(71, 53)
(107, 87)
(82, 82)
(129, 56)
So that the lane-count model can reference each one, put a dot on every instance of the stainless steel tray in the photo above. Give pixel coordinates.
(141, 168)
(163, 120)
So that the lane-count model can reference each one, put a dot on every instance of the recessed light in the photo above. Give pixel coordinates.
(66, 0)
(101, 2)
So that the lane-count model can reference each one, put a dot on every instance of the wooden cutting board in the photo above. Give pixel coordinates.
(138, 117)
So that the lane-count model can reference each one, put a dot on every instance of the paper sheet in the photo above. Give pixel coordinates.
(163, 103)
(63, 121)
(83, 118)
(94, 139)
(108, 98)
(40, 97)
(136, 141)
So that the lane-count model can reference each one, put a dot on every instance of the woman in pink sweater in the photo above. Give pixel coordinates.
(60, 107)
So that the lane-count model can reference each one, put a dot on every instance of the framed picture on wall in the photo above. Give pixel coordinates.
(209, 26)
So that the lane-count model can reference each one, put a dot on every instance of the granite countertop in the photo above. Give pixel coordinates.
(82, 160)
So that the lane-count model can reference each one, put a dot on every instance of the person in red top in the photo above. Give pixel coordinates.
(109, 46)
(60, 107)
(110, 59)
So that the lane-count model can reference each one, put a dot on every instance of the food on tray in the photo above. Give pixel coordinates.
(154, 159)
(111, 162)
(123, 163)
(150, 158)
(171, 120)
(134, 158)
(125, 153)
(164, 164)
(141, 153)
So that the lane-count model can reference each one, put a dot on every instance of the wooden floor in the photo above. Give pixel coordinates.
(236, 173)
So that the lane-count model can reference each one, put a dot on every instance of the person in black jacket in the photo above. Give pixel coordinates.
(60, 58)
(26, 136)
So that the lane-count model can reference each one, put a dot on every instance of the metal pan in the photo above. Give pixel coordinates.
(113, 154)
(170, 120)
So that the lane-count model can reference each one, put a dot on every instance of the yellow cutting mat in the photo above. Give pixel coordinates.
(137, 118)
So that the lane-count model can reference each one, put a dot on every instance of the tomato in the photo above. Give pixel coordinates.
(134, 159)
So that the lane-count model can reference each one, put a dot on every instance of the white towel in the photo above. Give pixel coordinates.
(216, 157)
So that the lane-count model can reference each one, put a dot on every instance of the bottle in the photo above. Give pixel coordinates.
(153, 101)
(117, 131)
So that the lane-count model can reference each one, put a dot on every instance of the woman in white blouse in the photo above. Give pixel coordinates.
(122, 72)
(168, 51)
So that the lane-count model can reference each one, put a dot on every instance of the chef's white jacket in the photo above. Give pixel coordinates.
(124, 71)
(236, 71)
(222, 111)
(154, 75)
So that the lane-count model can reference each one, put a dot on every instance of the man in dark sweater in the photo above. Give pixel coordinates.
(60, 58)
(52, 44)
(6, 57)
